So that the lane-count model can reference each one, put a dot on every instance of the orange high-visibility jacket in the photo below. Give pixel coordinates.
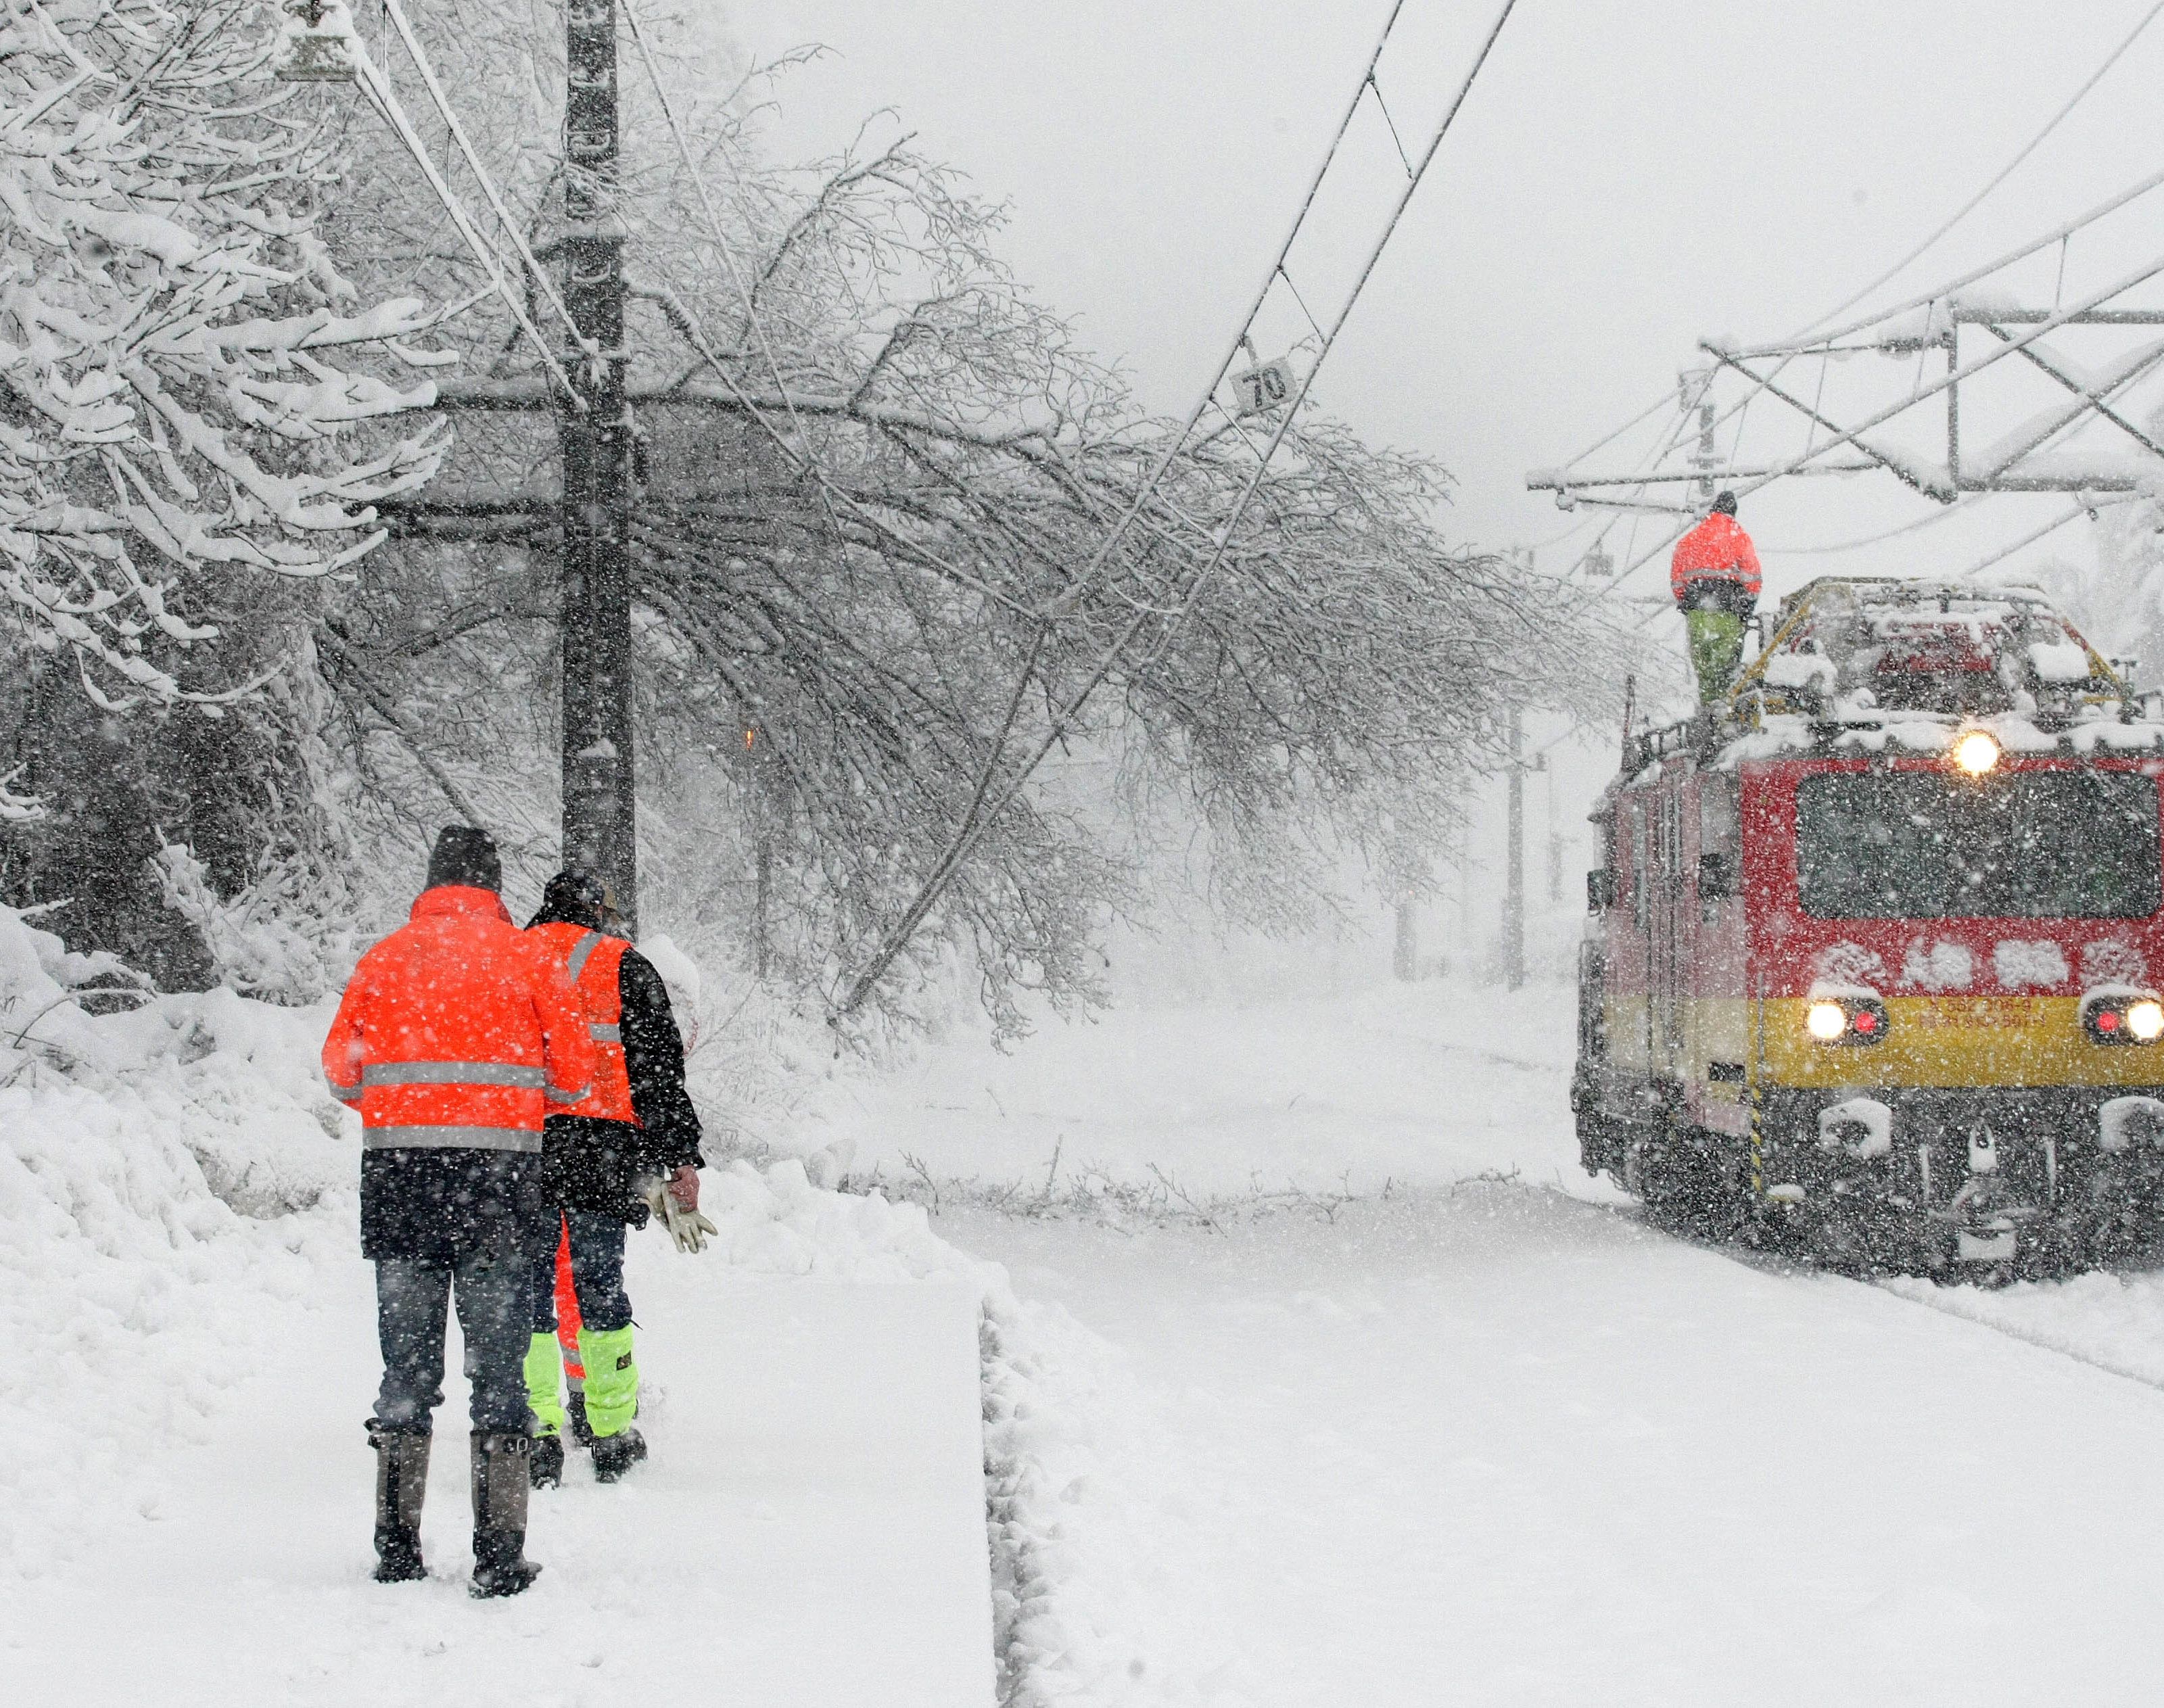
(593, 960)
(454, 1033)
(1716, 549)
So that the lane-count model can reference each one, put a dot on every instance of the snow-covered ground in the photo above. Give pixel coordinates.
(1496, 1441)
(185, 1487)
(1315, 1371)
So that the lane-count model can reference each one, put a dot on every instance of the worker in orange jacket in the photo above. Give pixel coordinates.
(1714, 577)
(628, 1150)
(452, 1038)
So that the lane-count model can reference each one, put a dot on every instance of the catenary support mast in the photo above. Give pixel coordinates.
(601, 822)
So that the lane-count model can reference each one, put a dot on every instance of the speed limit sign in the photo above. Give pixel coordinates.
(1266, 386)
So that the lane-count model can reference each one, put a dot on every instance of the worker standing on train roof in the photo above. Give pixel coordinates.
(629, 1149)
(1714, 577)
(452, 1038)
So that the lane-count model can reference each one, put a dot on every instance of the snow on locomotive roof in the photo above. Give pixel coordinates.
(1873, 650)
(1873, 665)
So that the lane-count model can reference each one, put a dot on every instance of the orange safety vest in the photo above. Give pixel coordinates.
(592, 960)
(455, 1034)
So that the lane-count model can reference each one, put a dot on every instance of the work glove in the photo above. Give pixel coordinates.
(687, 1227)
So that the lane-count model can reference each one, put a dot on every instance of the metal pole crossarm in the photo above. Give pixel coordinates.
(1551, 481)
(1956, 312)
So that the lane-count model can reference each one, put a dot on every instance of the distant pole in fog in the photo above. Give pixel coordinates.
(1514, 885)
(1405, 953)
(1554, 840)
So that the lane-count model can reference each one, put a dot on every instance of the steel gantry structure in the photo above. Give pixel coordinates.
(1991, 384)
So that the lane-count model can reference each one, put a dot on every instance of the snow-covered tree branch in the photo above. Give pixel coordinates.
(183, 365)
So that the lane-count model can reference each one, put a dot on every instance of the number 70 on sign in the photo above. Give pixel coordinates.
(1268, 385)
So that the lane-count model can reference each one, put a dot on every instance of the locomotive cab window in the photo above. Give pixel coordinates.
(2023, 845)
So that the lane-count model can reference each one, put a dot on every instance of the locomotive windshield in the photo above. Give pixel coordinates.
(2056, 844)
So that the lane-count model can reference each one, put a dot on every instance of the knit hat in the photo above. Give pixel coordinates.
(573, 898)
(1725, 504)
(465, 854)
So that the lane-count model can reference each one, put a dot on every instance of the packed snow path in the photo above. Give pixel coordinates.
(810, 1530)
(1493, 1442)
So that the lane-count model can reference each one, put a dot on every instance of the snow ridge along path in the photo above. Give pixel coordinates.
(184, 1499)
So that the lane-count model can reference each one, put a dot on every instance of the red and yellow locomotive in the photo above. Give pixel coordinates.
(1875, 950)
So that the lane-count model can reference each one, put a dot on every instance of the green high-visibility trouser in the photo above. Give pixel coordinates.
(1717, 650)
(611, 1379)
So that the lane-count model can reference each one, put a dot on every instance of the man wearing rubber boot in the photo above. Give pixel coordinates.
(1714, 577)
(452, 1038)
(629, 1149)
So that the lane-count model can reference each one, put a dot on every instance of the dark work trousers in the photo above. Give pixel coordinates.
(596, 1274)
(413, 1301)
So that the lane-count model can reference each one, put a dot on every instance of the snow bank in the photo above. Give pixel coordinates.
(168, 1179)
(1064, 1543)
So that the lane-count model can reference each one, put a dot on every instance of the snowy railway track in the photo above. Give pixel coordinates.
(1904, 1288)
(1523, 1064)
(2046, 1343)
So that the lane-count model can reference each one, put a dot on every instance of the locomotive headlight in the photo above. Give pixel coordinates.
(1976, 753)
(2145, 1021)
(1827, 1020)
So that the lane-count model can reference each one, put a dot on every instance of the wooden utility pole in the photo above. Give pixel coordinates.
(601, 815)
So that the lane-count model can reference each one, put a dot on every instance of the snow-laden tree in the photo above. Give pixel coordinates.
(182, 366)
(874, 473)
(871, 582)
(198, 412)
(878, 480)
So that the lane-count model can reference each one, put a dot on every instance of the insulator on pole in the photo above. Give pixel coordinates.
(315, 43)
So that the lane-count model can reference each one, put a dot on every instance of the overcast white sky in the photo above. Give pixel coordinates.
(1624, 180)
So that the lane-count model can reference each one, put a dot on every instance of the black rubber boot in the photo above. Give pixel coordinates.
(545, 1468)
(401, 1480)
(615, 1454)
(582, 1431)
(499, 1488)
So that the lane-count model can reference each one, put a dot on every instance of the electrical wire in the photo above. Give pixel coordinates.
(2007, 171)
(1787, 350)
(985, 809)
(396, 13)
(1933, 520)
(376, 85)
(2079, 511)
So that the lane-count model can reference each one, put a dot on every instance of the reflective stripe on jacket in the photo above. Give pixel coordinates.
(455, 1034)
(593, 961)
(1717, 549)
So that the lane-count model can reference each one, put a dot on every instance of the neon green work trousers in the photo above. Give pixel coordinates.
(1717, 650)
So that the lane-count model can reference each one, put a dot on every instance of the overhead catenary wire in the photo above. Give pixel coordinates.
(2012, 346)
(986, 805)
(2005, 172)
(2086, 507)
(1960, 508)
(1814, 341)
(396, 13)
(376, 85)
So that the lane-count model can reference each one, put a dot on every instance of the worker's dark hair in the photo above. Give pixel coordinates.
(465, 853)
(572, 898)
(1725, 504)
